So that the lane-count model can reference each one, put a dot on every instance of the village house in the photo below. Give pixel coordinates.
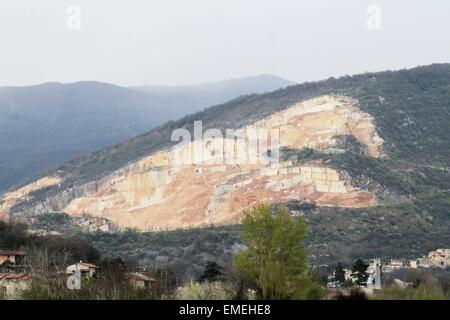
(348, 274)
(14, 257)
(85, 269)
(396, 264)
(414, 263)
(440, 258)
(423, 262)
(13, 284)
(140, 280)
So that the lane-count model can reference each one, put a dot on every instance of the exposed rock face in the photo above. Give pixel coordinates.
(10, 199)
(315, 123)
(211, 181)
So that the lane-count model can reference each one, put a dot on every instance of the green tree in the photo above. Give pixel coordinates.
(359, 271)
(275, 262)
(13, 235)
(212, 272)
(339, 274)
(319, 275)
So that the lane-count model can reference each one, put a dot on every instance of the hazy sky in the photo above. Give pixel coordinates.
(137, 42)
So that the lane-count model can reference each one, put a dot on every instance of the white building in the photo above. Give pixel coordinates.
(440, 258)
(86, 269)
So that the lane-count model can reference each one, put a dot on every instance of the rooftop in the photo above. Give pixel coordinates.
(140, 276)
(13, 276)
(12, 253)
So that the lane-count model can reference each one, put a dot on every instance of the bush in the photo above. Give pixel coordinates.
(202, 291)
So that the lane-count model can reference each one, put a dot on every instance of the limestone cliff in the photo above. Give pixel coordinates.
(173, 188)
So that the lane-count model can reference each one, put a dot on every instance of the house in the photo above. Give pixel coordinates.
(396, 264)
(424, 263)
(12, 285)
(140, 280)
(15, 257)
(348, 275)
(86, 269)
(440, 258)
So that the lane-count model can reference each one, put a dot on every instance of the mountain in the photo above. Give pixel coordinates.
(364, 158)
(45, 124)
(41, 126)
(188, 99)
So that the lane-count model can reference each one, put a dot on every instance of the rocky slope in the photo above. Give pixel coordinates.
(359, 143)
(165, 190)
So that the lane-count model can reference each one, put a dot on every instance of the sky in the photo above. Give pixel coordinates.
(181, 42)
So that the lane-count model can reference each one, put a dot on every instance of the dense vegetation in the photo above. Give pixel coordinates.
(432, 284)
(401, 230)
(14, 236)
(266, 264)
(187, 251)
(273, 265)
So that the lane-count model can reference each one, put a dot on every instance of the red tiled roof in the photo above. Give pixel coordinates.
(14, 276)
(88, 265)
